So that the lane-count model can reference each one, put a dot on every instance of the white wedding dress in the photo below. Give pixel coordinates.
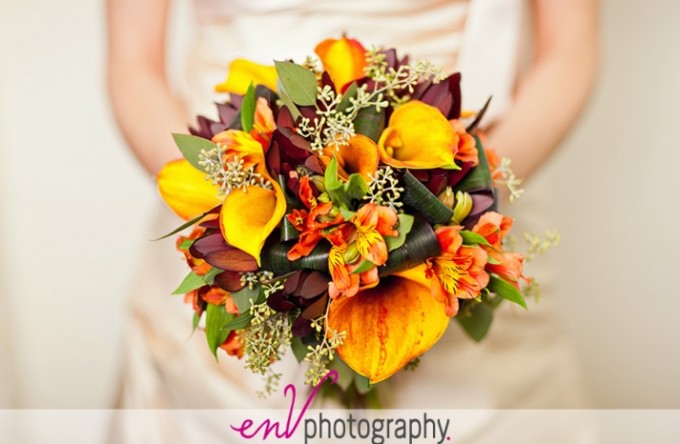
(525, 362)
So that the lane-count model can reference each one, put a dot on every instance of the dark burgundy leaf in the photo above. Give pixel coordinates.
(293, 282)
(456, 176)
(301, 327)
(278, 302)
(231, 259)
(317, 309)
(438, 95)
(205, 245)
(454, 88)
(315, 284)
(229, 281)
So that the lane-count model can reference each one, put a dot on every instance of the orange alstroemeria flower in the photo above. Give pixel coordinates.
(360, 156)
(244, 72)
(388, 325)
(344, 59)
(310, 222)
(467, 146)
(198, 266)
(508, 265)
(418, 136)
(217, 296)
(364, 232)
(234, 344)
(459, 270)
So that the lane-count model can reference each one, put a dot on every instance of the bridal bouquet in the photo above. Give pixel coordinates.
(343, 207)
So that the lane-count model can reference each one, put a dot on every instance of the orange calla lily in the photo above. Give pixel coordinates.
(185, 190)
(419, 137)
(389, 325)
(249, 216)
(360, 156)
(344, 59)
(244, 72)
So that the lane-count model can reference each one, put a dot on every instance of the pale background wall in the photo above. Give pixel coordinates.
(75, 208)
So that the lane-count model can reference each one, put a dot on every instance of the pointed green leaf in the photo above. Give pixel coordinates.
(215, 320)
(185, 245)
(356, 187)
(299, 348)
(362, 384)
(417, 196)
(209, 277)
(246, 297)
(191, 282)
(350, 93)
(477, 323)
(196, 320)
(287, 101)
(239, 322)
(191, 146)
(248, 109)
(298, 82)
(183, 227)
(364, 266)
(506, 290)
(370, 123)
(404, 228)
(472, 238)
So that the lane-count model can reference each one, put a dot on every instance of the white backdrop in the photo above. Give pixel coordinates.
(75, 209)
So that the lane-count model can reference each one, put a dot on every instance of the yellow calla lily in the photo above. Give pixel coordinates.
(244, 72)
(389, 325)
(418, 136)
(249, 216)
(360, 156)
(185, 190)
(344, 59)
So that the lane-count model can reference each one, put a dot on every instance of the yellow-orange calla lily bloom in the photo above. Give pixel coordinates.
(185, 190)
(359, 156)
(344, 59)
(388, 325)
(418, 136)
(249, 216)
(244, 72)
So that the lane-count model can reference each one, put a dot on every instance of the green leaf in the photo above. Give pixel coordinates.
(421, 243)
(287, 101)
(244, 296)
(239, 322)
(370, 123)
(185, 245)
(191, 146)
(248, 109)
(480, 176)
(288, 231)
(404, 228)
(298, 82)
(196, 320)
(356, 187)
(215, 320)
(275, 259)
(364, 266)
(362, 384)
(345, 374)
(477, 324)
(209, 277)
(506, 290)
(183, 227)
(191, 282)
(350, 93)
(299, 348)
(472, 238)
(417, 196)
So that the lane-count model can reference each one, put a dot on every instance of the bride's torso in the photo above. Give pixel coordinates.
(465, 35)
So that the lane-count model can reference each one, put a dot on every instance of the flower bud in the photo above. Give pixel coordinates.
(352, 254)
(447, 197)
(462, 207)
(319, 183)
